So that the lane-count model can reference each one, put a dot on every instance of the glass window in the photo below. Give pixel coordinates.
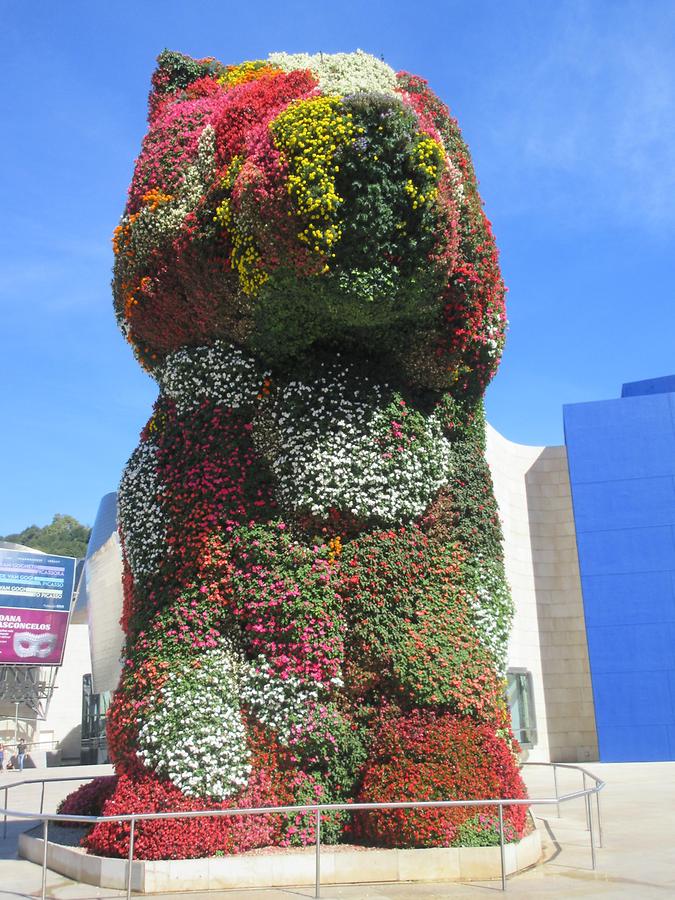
(520, 697)
(94, 710)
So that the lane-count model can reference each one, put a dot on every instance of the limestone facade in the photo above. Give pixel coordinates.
(548, 639)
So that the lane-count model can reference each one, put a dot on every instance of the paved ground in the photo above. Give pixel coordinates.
(637, 860)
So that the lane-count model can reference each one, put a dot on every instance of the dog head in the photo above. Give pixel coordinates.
(309, 204)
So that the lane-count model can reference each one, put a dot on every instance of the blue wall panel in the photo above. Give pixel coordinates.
(632, 503)
(622, 550)
(643, 745)
(634, 593)
(621, 456)
(615, 648)
(665, 385)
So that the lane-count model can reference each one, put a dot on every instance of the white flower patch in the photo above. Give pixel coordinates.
(154, 226)
(341, 73)
(344, 443)
(278, 703)
(139, 511)
(494, 334)
(456, 178)
(219, 373)
(491, 607)
(194, 733)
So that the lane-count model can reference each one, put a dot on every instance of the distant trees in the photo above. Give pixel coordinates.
(65, 536)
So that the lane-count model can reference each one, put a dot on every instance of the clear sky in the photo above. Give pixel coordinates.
(569, 111)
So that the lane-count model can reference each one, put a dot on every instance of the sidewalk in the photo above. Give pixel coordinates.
(637, 861)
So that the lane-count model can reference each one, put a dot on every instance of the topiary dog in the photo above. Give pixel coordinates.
(315, 601)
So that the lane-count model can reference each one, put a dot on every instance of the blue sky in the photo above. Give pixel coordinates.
(568, 108)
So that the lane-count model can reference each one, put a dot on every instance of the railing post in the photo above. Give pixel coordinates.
(501, 844)
(42, 798)
(597, 806)
(555, 785)
(588, 808)
(4, 833)
(132, 831)
(45, 843)
(317, 885)
(590, 829)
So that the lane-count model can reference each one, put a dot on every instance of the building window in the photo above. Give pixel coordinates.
(520, 697)
(94, 710)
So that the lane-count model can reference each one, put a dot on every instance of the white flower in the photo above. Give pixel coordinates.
(139, 512)
(341, 73)
(219, 373)
(491, 607)
(279, 703)
(331, 445)
(193, 732)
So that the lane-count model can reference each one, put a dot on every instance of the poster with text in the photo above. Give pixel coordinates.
(36, 592)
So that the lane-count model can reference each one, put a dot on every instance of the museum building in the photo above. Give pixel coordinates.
(590, 556)
(589, 541)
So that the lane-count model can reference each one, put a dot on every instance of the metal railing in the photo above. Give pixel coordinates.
(599, 785)
(316, 810)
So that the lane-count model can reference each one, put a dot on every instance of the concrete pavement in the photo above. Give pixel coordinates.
(637, 860)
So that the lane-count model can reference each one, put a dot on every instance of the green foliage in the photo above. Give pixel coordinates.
(466, 511)
(336, 746)
(175, 71)
(64, 536)
(333, 747)
(476, 517)
(301, 830)
(383, 185)
(389, 266)
(409, 628)
(483, 831)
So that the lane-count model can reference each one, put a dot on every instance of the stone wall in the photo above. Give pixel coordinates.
(549, 636)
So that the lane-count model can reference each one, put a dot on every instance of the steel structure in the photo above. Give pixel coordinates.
(29, 686)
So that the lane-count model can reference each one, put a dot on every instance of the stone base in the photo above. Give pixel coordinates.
(285, 869)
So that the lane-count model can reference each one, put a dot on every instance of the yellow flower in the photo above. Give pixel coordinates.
(247, 71)
(309, 133)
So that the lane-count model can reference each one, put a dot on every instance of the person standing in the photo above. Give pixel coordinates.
(20, 754)
(2, 757)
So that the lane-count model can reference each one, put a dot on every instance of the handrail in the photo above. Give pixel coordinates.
(599, 785)
(316, 809)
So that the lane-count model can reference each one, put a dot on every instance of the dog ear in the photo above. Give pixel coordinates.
(174, 74)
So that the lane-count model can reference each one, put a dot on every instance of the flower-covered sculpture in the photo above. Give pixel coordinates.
(315, 601)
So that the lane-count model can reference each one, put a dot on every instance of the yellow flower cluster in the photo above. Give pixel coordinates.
(156, 424)
(130, 293)
(429, 158)
(247, 71)
(122, 234)
(334, 547)
(308, 134)
(245, 256)
(154, 198)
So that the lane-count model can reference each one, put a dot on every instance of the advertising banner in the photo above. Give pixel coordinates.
(36, 592)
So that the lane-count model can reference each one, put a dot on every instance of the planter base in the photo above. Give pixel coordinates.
(283, 869)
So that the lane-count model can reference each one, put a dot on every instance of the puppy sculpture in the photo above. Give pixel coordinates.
(315, 601)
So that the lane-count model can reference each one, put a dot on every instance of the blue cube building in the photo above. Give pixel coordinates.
(621, 457)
